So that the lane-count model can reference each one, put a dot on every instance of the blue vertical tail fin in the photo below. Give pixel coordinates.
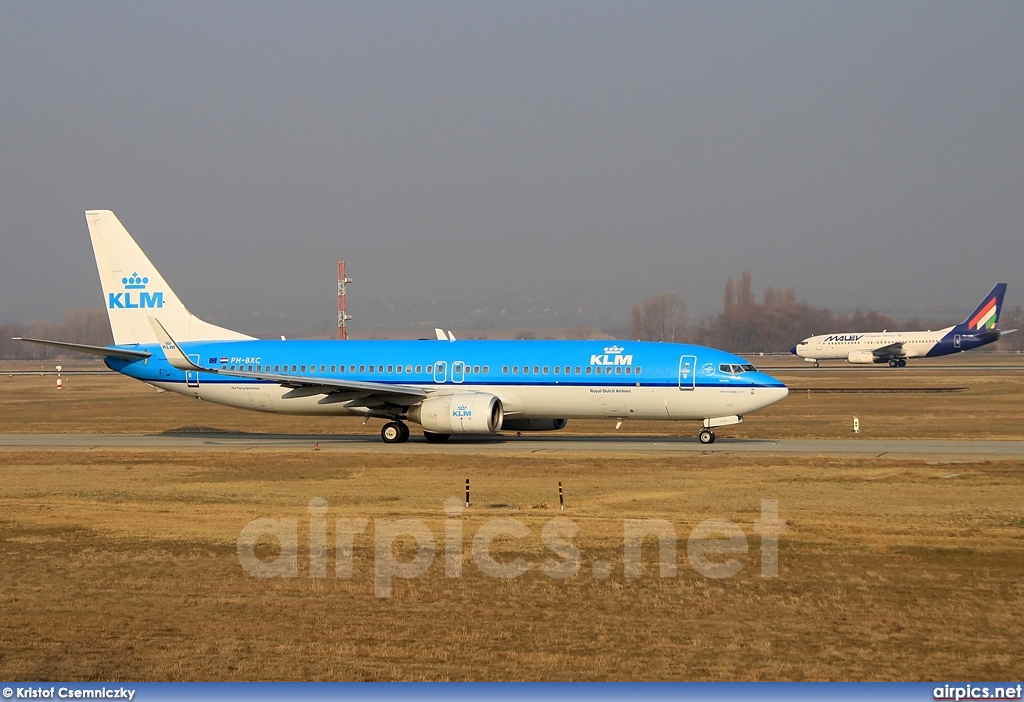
(986, 315)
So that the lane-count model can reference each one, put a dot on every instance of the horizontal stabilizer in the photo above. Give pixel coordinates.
(126, 354)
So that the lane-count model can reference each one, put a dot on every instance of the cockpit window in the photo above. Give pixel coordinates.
(747, 368)
(733, 369)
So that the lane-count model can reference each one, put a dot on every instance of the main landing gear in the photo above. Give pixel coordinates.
(395, 432)
(897, 362)
(706, 436)
(398, 432)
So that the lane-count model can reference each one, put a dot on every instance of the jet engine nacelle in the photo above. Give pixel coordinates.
(462, 413)
(862, 357)
(534, 424)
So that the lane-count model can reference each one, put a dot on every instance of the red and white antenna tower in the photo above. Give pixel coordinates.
(343, 315)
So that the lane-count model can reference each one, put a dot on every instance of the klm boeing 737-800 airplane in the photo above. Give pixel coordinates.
(447, 387)
(895, 348)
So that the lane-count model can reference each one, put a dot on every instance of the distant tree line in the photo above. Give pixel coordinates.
(774, 323)
(80, 326)
(777, 321)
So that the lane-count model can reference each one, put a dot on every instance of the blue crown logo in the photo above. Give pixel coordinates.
(614, 349)
(134, 282)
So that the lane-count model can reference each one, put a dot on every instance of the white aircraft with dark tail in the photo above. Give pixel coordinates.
(447, 387)
(895, 348)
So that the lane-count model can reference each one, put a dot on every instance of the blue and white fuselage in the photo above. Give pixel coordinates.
(533, 379)
(446, 386)
(895, 348)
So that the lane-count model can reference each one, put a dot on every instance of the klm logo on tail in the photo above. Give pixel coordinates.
(135, 296)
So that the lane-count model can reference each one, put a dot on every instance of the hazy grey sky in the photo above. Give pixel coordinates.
(869, 153)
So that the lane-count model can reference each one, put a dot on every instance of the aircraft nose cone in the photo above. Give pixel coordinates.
(793, 350)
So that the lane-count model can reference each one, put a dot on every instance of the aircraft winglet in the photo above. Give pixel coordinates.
(175, 356)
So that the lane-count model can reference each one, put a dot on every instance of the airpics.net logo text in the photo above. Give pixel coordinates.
(712, 546)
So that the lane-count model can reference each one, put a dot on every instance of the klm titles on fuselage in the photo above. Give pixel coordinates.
(612, 356)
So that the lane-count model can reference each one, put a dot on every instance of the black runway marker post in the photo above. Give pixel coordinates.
(467, 492)
(561, 499)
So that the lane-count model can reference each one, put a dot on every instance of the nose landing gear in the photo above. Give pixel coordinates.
(706, 436)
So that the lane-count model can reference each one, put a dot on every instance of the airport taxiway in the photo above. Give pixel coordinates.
(859, 446)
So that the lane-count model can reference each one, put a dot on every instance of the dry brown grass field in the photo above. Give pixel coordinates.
(122, 564)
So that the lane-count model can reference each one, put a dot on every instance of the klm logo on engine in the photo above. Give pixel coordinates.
(844, 337)
(462, 412)
(612, 356)
(135, 296)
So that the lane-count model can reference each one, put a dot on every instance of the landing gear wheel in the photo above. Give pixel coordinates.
(893, 363)
(902, 362)
(434, 437)
(817, 365)
(706, 436)
(394, 433)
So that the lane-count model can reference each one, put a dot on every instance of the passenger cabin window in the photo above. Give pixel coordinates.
(487, 369)
(504, 369)
(362, 369)
(545, 370)
(419, 369)
(408, 369)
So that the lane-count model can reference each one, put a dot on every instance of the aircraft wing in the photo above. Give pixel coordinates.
(889, 351)
(126, 354)
(347, 390)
